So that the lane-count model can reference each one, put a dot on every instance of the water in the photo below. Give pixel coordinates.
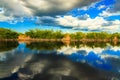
(59, 61)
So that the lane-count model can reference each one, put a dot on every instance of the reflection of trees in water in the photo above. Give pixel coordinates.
(115, 44)
(77, 44)
(99, 44)
(45, 45)
(92, 44)
(57, 45)
(8, 45)
(89, 44)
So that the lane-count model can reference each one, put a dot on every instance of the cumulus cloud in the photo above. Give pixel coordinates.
(107, 13)
(18, 8)
(113, 9)
(14, 8)
(4, 18)
(89, 24)
(82, 23)
(101, 7)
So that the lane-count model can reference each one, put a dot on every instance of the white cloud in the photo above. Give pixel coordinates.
(18, 8)
(96, 24)
(97, 50)
(69, 50)
(110, 11)
(101, 7)
(3, 17)
(14, 8)
(10, 18)
(88, 7)
(108, 14)
(85, 8)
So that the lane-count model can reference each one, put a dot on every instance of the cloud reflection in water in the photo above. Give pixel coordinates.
(67, 63)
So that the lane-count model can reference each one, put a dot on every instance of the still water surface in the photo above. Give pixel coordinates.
(59, 61)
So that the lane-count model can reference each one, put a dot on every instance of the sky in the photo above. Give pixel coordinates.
(65, 15)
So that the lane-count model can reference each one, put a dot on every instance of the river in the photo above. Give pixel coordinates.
(59, 61)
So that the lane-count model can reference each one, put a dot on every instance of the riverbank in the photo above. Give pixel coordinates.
(75, 40)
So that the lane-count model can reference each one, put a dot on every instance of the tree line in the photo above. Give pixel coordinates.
(94, 35)
(8, 34)
(51, 34)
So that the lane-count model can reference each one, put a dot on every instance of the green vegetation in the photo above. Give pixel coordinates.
(51, 34)
(45, 34)
(78, 35)
(8, 34)
(94, 35)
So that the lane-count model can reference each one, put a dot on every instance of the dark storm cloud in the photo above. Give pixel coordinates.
(54, 7)
(46, 20)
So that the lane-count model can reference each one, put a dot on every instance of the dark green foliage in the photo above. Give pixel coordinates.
(8, 34)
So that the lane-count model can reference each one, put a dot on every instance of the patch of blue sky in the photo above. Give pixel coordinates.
(94, 10)
(111, 18)
(28, 24)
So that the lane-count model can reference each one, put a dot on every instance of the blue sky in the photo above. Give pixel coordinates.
(68, 16)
